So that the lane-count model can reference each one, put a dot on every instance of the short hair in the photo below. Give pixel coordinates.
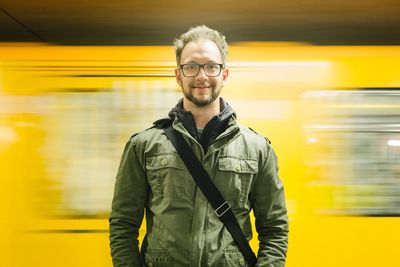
(201, 33)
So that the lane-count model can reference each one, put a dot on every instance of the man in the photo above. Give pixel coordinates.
(182, 227)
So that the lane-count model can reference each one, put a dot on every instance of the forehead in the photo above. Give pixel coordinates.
(201, 51)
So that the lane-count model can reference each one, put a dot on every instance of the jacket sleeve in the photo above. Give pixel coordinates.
(270, 212)
(130, 196)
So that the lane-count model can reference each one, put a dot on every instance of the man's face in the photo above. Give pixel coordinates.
(201, 89)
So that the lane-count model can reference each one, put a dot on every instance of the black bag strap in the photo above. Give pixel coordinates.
(222, 208)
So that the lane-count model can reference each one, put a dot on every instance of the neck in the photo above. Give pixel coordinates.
(202, 115)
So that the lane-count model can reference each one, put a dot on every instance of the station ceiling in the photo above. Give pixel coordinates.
(157, 22)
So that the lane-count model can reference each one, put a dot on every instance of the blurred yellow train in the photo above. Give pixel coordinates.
(332, 113)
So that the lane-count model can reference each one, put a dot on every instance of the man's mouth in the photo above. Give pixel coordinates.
(201, 87)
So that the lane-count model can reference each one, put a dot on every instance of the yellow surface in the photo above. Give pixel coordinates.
(40, 227)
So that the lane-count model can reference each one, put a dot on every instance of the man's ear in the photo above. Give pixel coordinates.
(225, 76)
(178, 77)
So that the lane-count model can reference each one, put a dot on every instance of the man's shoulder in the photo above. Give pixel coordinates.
(254, 136)
(162, 123)
(152, 132)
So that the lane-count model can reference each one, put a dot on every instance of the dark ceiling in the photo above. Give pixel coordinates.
(123, 22)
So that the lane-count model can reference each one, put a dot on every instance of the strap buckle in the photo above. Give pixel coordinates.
(224, 206)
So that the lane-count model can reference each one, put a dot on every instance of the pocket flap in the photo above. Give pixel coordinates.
(238, 165)
(161, 161)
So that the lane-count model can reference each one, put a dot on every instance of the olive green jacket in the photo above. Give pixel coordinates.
(182, 228)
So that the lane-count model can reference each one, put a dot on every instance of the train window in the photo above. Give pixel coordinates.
(87, 134)
(353, 150)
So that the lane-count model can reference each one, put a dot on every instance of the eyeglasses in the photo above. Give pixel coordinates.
(193, 69)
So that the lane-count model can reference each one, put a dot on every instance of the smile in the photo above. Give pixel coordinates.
(202, 87)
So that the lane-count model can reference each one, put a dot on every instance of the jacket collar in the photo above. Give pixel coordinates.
(217, 125)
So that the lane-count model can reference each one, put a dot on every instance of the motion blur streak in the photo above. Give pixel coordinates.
(332, 113)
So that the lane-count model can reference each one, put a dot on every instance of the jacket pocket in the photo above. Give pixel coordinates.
(158, 258)
(235, 176)
(168, 177)
(233, 257)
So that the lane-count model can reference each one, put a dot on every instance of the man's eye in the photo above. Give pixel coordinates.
(212, 66)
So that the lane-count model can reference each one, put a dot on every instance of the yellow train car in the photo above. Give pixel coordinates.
(332, 113)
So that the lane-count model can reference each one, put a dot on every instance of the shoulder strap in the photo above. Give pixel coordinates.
(222, 208)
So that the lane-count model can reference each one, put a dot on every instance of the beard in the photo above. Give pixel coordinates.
(201, 102)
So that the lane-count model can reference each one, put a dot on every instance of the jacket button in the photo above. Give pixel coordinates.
(241, 262)
(237, 167)
(164, 162)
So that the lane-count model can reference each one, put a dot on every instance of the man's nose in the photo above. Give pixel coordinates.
(202, 73)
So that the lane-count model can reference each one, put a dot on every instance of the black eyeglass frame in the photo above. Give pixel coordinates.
(201, 66)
